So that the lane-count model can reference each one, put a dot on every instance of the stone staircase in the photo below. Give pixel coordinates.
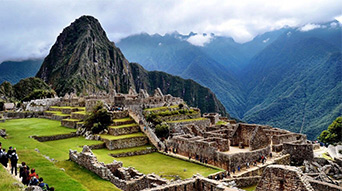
(70, 117)
(124, 133)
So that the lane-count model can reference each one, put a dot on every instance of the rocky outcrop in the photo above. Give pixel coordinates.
(83, 60)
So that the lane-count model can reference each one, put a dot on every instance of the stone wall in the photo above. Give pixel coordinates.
(180, 117)
(54, 137)
(229, 161)
(69, 123)
(242, 182)
(283, 178)
(134, 153)
(202, 124)
(125, 143)
(323, 186)
(59, 117)
(20, 115)
(79, 116)
(259, 139)
(299, 152)
(124, 178)
(286, 138)
(119, 114)
(194, 184)
(123, 130)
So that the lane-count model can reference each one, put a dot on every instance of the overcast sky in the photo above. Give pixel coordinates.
(29, 28)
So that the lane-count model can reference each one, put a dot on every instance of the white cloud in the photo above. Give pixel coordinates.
(266, 40)
(29, 28)
(199, 40)
(309, 27)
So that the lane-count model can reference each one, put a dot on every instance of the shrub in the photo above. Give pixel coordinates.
(334, 132)
(162, 130)
(98, 120)
(2, 104)
(39, 94)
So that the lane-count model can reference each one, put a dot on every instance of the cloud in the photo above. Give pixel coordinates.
(29, 28)
(199, 40)
(266, 40)
(309, 27)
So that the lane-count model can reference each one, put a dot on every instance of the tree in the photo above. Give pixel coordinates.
(162, 130)
(334, 132)
(98, 120)
(39, 94)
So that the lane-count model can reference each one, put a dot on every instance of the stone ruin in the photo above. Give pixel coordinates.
(124, 178)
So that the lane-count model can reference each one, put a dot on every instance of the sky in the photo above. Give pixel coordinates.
(29, 28)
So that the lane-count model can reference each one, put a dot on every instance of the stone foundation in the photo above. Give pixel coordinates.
(69, 123)
(242, 182)
(124, 178)
(283, 178)
(125, 143)
(119, 114)
(323, 186)
(134, 153)
(54, 137)
(59, 117)
(299, 152)
(78, 116)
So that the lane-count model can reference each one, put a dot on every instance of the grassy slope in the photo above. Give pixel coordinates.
(19, 131)
(6, 181)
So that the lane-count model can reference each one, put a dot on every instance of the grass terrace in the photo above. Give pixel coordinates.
(186, 120)
(59, 113)
(73, 177)
(80, 112)
(123, 126)
(111, 137)
(71, 120)
(123, 119)
(161, 108)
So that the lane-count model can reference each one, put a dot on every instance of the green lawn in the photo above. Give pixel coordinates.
(122, 126)
(186, 120)
(79, 173)
(250, 188)
(164, 165)
(112, 137)
(64, 145)
(6, 181)
(161, 108)
(19, 131)
(71, 120)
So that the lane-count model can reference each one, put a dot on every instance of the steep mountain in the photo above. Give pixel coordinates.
(172, 53)
(20, 90)
(84, 60)
(290, 78)
(295, 82)
(14, 71)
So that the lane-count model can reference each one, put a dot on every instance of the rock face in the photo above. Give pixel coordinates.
(83, 60)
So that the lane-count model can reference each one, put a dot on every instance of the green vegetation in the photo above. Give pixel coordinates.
(160, 108)
(334, 132)
(88, 179)
(123, 126)
(250, 188)
(71, 120)
(123, 119)
(111, 137)
(80, 112)
(98, 120)
(59, 113)
(327, 156)
(19, 131)
(104, 153)
(39, 94)
(6, 181)
(186, 120)
(221, 123)
(162, 130)
(160, 164)
(26, 88)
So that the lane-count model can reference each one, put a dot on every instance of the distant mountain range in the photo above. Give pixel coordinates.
(14, 71)
(289, 78)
